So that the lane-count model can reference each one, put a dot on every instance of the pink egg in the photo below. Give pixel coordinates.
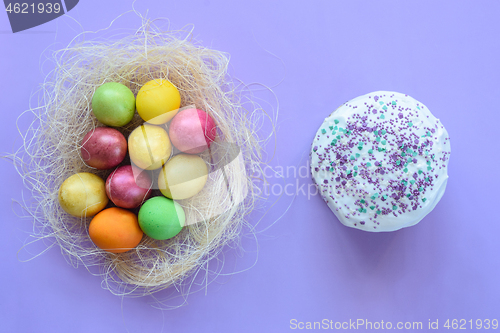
(128, 187)
(192, 131)
(103, 148)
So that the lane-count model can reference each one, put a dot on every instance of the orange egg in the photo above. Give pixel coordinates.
(115, 230)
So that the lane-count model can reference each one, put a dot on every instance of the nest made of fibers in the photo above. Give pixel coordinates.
(52, 154)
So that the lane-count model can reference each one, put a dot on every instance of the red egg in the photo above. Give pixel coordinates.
(128, 187)
(192, 131)
(103, 148)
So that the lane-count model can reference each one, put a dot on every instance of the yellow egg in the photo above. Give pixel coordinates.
(158, 101)
(149, 146)
(183, 176)
(83, 194)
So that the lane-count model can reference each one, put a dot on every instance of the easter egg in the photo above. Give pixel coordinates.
(158, 101)
(161, 218)
(83, 194)
(113, 104)
(192, 131)
(127, 188)
(115, 230)
(103, 148)
(182, 176)
(149, 146)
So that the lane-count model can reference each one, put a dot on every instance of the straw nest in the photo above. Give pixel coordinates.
(51, 153)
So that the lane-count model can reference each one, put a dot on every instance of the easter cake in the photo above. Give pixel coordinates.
(380, 161)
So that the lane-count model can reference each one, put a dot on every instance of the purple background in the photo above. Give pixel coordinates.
(306, 266)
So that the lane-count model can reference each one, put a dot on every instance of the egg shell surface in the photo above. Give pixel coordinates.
(161, 218)
(115, 230)
(158, 101)
(113, 104)
(83, 194)
(103, 148)
(192, 131)
(127, 188)
(149, 146)
(183, 176)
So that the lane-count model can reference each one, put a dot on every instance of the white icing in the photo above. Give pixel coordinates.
(346, 205)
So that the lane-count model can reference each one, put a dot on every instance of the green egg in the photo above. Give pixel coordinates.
(113, 104)
(161, 218)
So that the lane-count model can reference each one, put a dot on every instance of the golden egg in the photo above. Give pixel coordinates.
(158, 101)
(83, 194)
(183, 176)
(149, 146)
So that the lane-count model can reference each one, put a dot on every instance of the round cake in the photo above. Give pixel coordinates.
(380, 161)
